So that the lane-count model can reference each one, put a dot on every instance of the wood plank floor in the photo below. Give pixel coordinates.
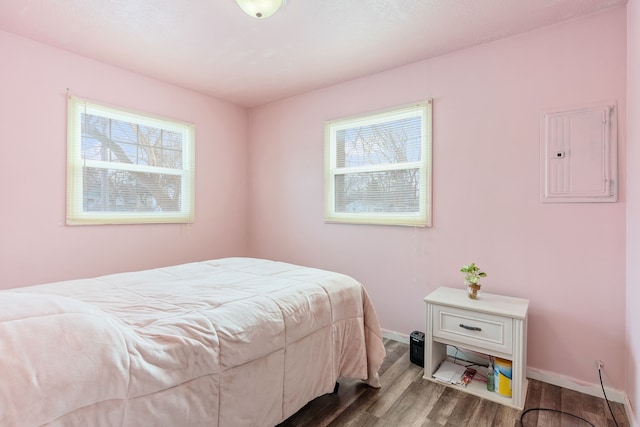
(406, 400)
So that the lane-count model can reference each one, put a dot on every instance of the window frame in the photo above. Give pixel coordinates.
(424, 215)
(76, 215)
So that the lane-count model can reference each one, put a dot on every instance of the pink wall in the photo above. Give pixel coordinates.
(633, 207)
(568, 259)
(35, 244)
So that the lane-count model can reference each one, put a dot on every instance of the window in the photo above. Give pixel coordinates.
(378, 168)
(124, 167)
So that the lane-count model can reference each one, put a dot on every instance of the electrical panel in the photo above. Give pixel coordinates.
(578, 155)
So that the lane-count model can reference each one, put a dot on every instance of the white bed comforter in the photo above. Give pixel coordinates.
(229, 342)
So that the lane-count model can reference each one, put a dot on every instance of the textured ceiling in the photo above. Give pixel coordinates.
(212, 47)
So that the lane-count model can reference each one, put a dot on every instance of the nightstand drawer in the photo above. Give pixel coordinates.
(473, 328)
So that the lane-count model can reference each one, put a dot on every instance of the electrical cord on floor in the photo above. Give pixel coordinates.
(575, 416)
(605, 395)
(553, 410)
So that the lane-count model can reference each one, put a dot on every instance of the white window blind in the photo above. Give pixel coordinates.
(378, 167)
(125, 167)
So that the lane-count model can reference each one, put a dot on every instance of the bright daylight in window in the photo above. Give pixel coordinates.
(378, 168)
(125, 167)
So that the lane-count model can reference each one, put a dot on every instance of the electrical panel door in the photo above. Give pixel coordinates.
(579, 155)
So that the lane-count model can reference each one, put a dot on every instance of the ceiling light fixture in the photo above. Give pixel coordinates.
(260, 8)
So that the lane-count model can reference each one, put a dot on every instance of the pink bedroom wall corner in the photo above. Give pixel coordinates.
(36, 245)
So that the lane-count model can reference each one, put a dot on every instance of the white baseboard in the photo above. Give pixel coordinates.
(395, 336)
(573, 384)
(629, 409)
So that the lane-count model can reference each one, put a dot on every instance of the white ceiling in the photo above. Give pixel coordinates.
(212, 47)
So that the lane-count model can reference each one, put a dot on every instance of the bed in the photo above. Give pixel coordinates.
(227, 342)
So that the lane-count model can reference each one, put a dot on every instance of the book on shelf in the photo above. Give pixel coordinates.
(450, 373)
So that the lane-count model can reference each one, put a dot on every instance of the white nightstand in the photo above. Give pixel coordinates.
(492, 324)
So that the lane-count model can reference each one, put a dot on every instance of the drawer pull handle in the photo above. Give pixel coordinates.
(471, 328)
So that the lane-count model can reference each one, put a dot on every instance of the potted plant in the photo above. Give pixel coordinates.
(472, 274)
